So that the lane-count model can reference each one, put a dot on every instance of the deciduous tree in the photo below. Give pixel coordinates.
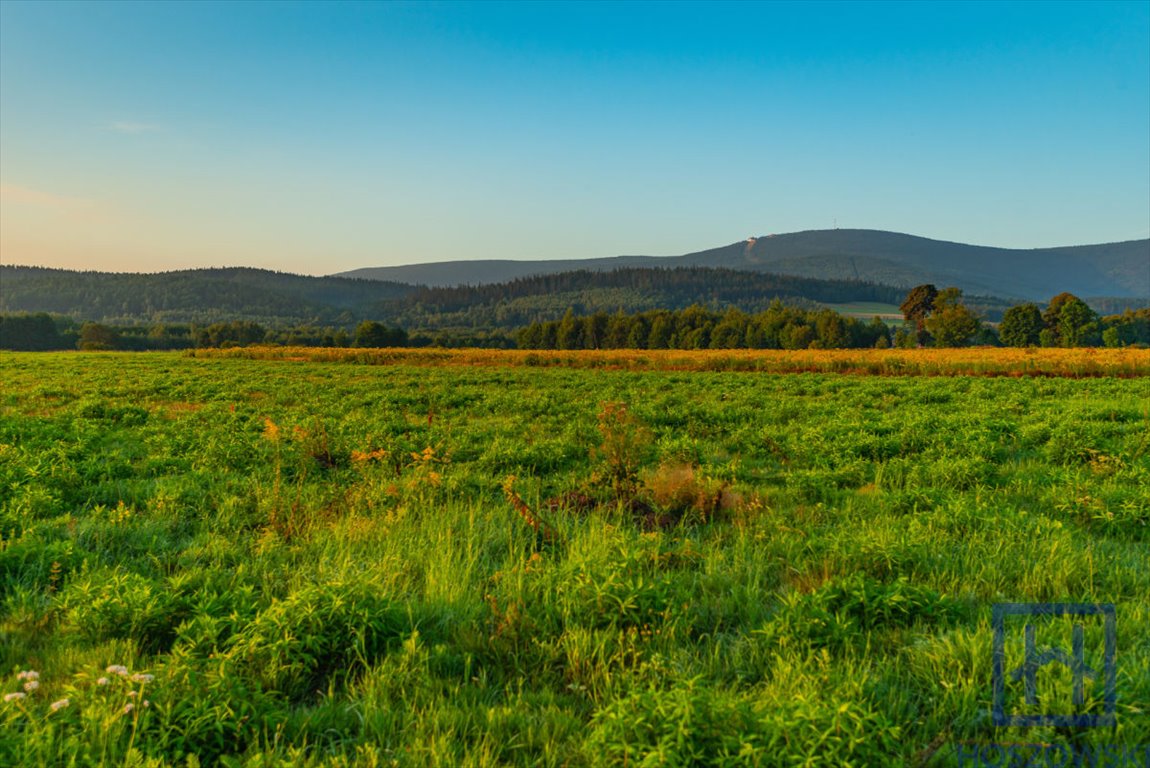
(951, 323)
(917, 306)
(1021, 326)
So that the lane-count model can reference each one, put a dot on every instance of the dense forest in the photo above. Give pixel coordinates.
(547, 297)
(281, 300)
(42, 332)
(685, 307)
(777, 327)
(933, 318)
(193, 296)
(1062, 324)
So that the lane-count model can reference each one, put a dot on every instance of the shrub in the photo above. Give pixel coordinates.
(838, 613)
(111, 604)
(624, 447)
(689, 725)
(681, 490)
(297, 643)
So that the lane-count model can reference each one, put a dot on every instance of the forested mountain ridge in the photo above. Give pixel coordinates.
(633, 289)
(1105, 270)
(277, 299)
(196, 295)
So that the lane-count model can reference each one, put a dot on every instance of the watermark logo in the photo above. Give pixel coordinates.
(1044, 665)
(970, 755)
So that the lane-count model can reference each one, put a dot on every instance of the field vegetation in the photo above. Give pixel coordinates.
(982, 361)
(261, 557)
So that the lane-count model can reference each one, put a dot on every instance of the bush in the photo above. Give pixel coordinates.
(117, 604)
(295, 645)
(837, 614)
(681, 491)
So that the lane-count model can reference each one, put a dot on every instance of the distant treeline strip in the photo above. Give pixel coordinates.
(1068, 322)
(934, 318)
(779, 327)
(42, 332)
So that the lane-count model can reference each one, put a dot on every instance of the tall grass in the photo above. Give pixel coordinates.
(977, 361)
(329, 565)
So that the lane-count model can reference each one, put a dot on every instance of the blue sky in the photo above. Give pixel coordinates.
(321, 137)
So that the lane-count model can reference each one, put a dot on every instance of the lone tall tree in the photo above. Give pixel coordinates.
(917, 305)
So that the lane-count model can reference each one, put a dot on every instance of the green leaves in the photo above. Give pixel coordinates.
(317, 632)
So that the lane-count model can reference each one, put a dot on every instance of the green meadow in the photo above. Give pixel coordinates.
(284, 563)
(865, 310)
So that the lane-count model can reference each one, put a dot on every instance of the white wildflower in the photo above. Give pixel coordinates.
(139, 677)
(117, 669)
(103, 681)
(31, 685)
(132, 694)
(146, 703)
(14, 696)
(28, 674)
(56, 706)
(128, 708)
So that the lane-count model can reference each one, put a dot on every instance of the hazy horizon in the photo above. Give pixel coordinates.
(320, 138)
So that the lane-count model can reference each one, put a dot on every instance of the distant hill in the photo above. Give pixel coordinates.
(196, 295)
(278, 299)
(1120, 270)
(526, 300)
(838, 267)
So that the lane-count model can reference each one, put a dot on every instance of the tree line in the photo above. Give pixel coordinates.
(676, 287)
(503, 308)
(202, 296)
(777, 327)
(273, 299)
(43, 332)
(940, 319)
(932, 318)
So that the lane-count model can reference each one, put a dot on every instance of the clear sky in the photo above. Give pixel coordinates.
(321, 137)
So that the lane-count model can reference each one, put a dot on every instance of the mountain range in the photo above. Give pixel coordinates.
(1119, 269)
(858, 271)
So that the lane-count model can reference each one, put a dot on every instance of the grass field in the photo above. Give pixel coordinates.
(558, 559)
(1081, 362)
(865, 310)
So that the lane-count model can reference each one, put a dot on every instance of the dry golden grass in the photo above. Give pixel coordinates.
(975, 361)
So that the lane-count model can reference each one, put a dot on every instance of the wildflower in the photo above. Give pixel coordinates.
(133, 694)
(127, 708)
(56, 706)
(14, 696)
(146, 703)
(28, 674)
(117, 669)
(103, 681)
(139, 677)
(31, 685)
